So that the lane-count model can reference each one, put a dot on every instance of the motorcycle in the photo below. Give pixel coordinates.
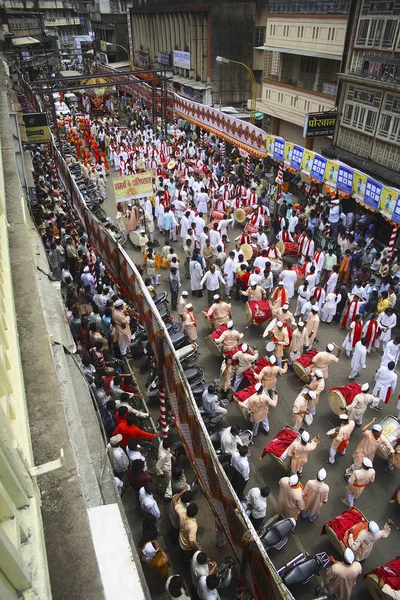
(274, 533)
(194, 377)
(303, 568)
(224, 571)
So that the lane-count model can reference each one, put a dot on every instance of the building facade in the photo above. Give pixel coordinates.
(109, 21)
(368, 135)
(298, 51)
(186, 37)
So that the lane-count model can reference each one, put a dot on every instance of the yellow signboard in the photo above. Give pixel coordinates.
(388, 201)
(331, 173)
(37, 130)
(307, 163)
(133, 186)
(359, 183)
(288, 153)
(270, 142)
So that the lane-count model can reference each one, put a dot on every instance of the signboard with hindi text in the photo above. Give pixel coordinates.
(319, 124)
(133, 186)
(181, 59)
(36, 127)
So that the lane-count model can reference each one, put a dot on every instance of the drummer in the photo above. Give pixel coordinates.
(254, 292)
(360, 403)
(301, 407)
(245, 359)
(273, 253)
(284, 235)
(283, 314)
(323, 359)
(317, 385)
(261, 239)
(229, 338)
(299, 450)
(269, 374)
(340, 438)
(280, 336)
(258, 405)
(299, 341)
(219, 312)
(279, 297)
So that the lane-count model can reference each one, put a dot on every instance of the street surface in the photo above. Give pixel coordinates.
(374, 502)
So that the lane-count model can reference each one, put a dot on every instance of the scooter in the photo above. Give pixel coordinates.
(274, 534)
(224, 571)
(302, 568)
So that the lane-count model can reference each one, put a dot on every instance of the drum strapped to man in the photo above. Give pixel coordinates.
(291, 248)
(135, 236)
(251, 229)
(216, 215)
(281, 247)
(240, 215)
(391, 430)
(337, 402)
(341, 545)
(212, 346)
(247, 251)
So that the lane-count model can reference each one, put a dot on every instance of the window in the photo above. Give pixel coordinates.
(389, 123)
(308, 65)
(380, 7)
(259, 36)
(361, 109)
(377, 33)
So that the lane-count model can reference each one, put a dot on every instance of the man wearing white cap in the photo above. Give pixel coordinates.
(280, 336)
(315, 495)
(299, 342)
(340, 578)
(340, 438)
(279, 297)
(254, 291)
(391, 352)
(312, 325)
(268, 375)
(363, 544)
(359, 358)
(323, 359)
(289, 277)
(301, 407)
(299, 451)
(121, 321)
(385, 384)
(358, 481)
(258, 405)
(189, 322)
(330, 306)
(212, 278)
(317, 385)
(283, 314)
(245, 360)
(182, 304)
(229, 338)
(290, 500)
(360, 403)
(118, 458)
(371, 440)
(219, 312)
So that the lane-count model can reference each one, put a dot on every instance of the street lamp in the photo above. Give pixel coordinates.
(125, 49)
(224, 61)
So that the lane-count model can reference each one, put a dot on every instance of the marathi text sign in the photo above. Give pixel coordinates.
(319, 124)
(133, 186)
(36, 127)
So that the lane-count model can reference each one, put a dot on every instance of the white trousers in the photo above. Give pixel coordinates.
(265, 423)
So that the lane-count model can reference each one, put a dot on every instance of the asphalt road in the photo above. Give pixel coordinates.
(374, 502)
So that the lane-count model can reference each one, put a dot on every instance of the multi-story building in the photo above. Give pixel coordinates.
(368, 135)
(109, 21)
(185, 37)
(298, 49)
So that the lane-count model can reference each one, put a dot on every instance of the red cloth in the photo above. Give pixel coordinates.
(218, 332)
(230, 353)
(358, 327)
(390, 573)
(260, 311)
(258, 367)
(349, 391)
(280, 443)
(246, 393)
(306, 359)
(341, 524)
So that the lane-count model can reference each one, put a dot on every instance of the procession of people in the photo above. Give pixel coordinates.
(312, 277)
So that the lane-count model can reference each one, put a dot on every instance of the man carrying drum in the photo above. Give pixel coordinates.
(360, 404)
(301, 407)
(229, 338)
(323, 359)
(268, 375)
(340, 438)
(219, 312)
(280, 337)
(299, 341)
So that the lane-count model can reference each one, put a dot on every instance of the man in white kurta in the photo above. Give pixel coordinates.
(358, 361)
(363, 544)
(258, 405)
(299, 342)
(391, 352)
(360, 403)
(340, 578)
(290, 499)
(341, 437)
(230, 268)
(315, 495)
(299, 451)
(312, 325)
(387, 321)
(289, 278)
(385, 384)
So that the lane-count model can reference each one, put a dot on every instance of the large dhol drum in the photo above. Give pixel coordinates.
(340, 398)
(216, 215)
(210, 340)
(134, 237)
(247, 251)
(291, 248)
(301, 366)
(240, 215)
(281, 247)
(251, 229)
(375, 583)
(256, 250)
(391, 430)
(258, 312)
(277, 448)
(339, 528)
(207, 319)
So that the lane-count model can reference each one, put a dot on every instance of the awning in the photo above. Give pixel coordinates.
(25, 41)
(300, 52)
(119, 65)
(196, 85)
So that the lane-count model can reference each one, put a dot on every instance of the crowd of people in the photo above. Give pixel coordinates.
(338, 274)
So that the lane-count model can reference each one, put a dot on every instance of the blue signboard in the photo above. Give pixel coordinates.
(372, 194)
(297, 157)
(279, 149)
(344, 181)
(164, 58)
(318, 168)
(396, 212)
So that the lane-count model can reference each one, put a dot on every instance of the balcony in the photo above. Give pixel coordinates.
(28, 5)
(61, 21)
(290, 103)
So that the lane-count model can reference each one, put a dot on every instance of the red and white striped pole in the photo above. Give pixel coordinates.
(163, 411)
(248, 164)
(201, 138)
(390, 249)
